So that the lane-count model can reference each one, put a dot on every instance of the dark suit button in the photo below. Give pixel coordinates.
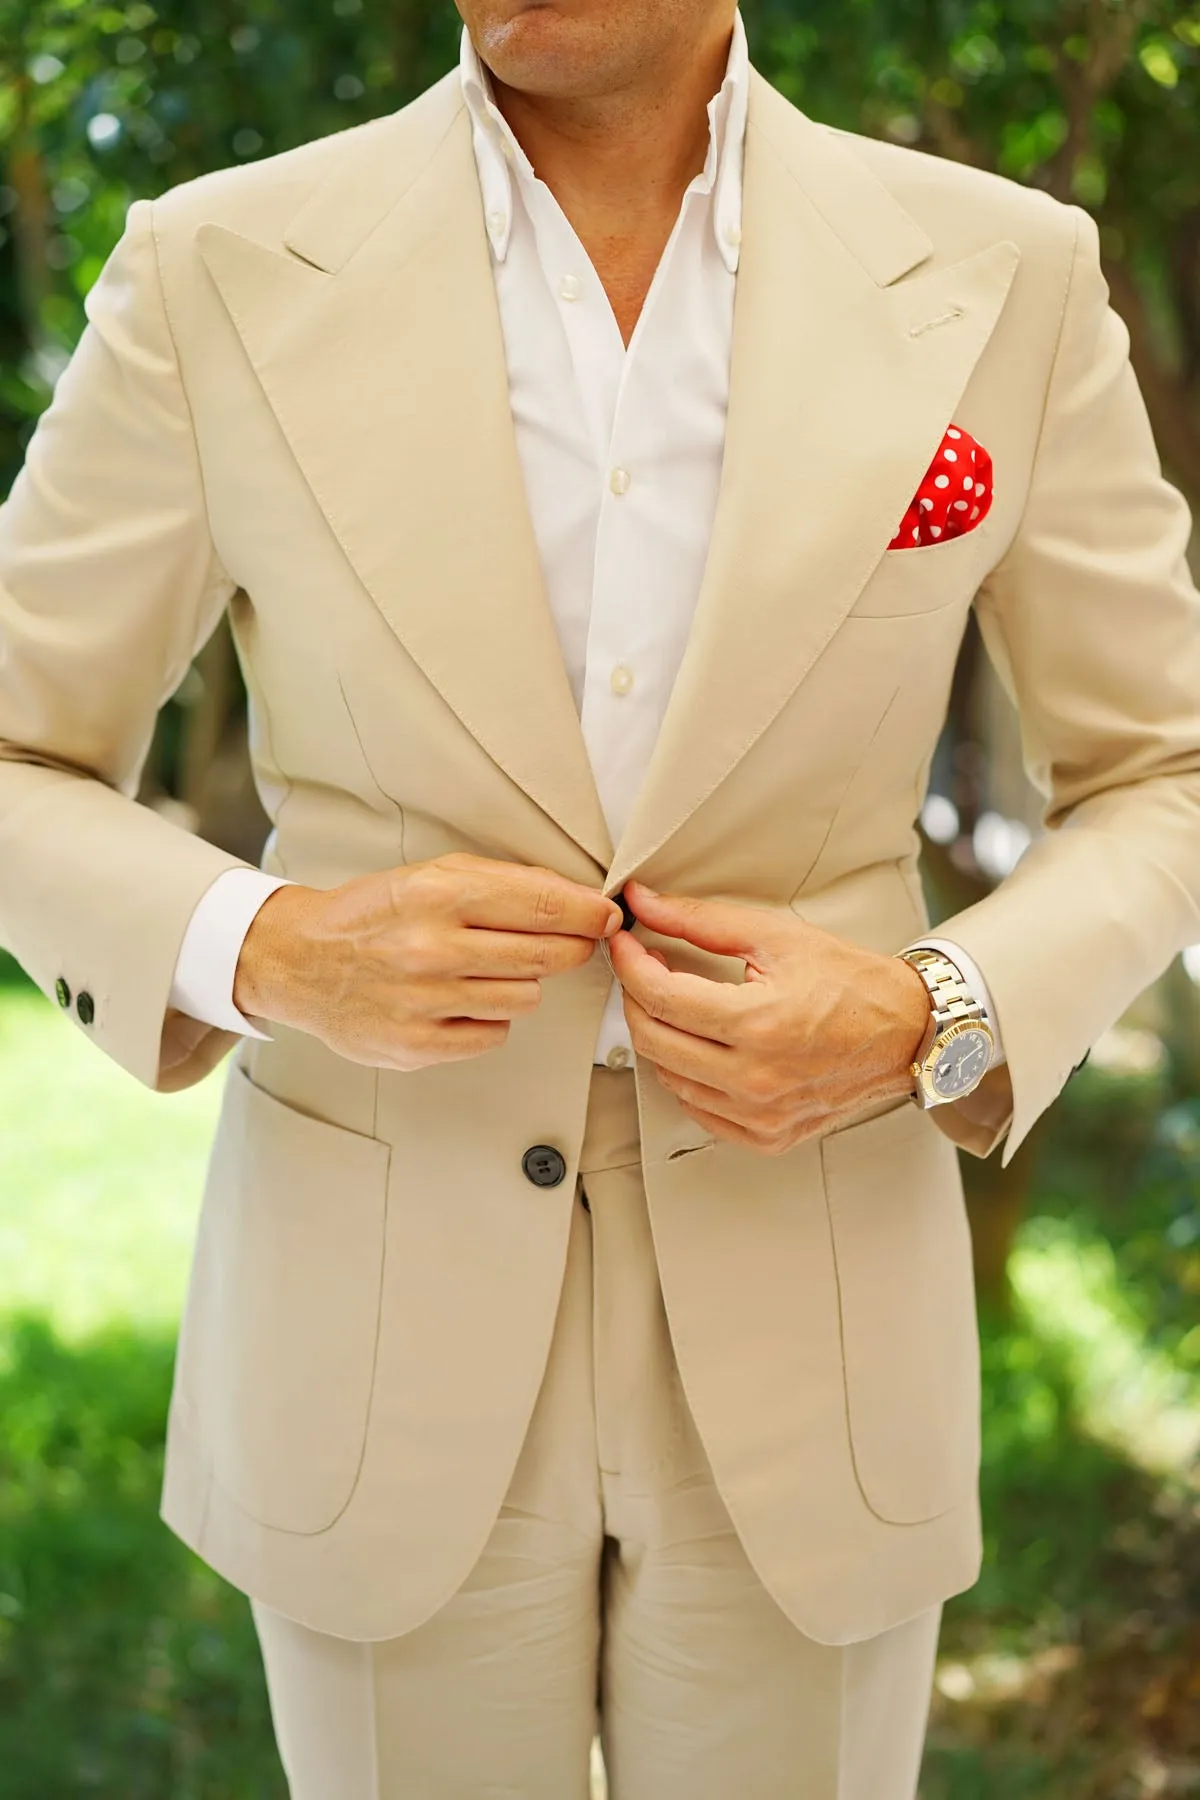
(62, 992)
(544, 1166)
(85, 1006)
(628, 920)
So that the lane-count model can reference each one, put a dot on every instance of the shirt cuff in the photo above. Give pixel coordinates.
(971, 973)
(212, 946)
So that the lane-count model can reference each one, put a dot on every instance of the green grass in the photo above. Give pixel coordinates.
(100, 1179)
(130, 1672)
(1071, 1671)
(127, 1669)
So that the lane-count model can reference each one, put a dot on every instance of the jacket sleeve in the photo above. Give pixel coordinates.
(1093, 624)
(108, 584)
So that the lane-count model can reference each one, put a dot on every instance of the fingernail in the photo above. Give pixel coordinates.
(613, 926)
(653, 892)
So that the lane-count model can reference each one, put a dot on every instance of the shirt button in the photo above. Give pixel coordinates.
(620, 481)
(618, 1058)
(733, 235)
(497, 223)
(570, 287)
(622, 680)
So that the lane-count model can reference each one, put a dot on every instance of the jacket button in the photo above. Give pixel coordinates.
(85, 1006)
(62, 992)
(628, 918)
(544, 1166)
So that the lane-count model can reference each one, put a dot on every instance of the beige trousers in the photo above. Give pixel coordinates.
(613, 1595)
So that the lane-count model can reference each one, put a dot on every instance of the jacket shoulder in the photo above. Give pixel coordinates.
(259, 199)
(948, 197)
(960, 208)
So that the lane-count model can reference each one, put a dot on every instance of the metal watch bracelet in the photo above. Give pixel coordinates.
(958, 1017)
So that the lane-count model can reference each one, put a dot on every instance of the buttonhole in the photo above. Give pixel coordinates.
(690, 1150)
(946, 318)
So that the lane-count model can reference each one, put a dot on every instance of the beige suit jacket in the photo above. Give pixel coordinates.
(292, 398)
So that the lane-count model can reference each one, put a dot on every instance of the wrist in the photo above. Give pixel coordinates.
(271, 953)
(911, 1006)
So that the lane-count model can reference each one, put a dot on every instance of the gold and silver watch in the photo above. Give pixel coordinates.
(960, 1046)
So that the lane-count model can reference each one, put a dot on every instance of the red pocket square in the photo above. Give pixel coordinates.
(955, 496)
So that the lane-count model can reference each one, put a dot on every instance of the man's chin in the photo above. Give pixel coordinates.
(543, 50)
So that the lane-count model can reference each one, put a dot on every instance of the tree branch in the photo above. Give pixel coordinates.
(31, 219)
(1185, 272)
(1110, 36)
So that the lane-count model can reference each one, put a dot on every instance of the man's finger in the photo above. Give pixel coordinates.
(707, 1098)
(749, 932)
(724, 1129)
(510, 897)
(459, 1040)
(483, 999)
(517, 953)
(697, 1057)
(706, 1009)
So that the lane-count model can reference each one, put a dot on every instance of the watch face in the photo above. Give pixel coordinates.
(962, 1064)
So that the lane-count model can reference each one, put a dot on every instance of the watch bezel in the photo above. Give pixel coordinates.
(923, 1071)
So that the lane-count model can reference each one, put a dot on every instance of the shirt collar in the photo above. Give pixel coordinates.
(498, 154)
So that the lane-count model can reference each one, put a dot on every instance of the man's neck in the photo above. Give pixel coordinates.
(619, 164)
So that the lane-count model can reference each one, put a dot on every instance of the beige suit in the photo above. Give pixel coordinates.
(292, 398)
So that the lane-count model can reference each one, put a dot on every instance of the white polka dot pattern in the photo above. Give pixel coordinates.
(938, 510)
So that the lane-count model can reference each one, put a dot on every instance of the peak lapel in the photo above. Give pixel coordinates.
(842, 386)
(378, 346)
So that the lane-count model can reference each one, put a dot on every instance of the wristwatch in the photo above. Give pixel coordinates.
(959, 1047)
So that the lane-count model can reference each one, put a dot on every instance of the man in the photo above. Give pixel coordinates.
(599, 460)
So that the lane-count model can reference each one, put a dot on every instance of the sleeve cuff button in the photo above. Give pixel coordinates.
(85, 1006)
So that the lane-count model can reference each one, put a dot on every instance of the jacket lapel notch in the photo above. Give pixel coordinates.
(851, 200)
(382, 160)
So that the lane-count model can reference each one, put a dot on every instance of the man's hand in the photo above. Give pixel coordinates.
(419, 965)
(819, 1029)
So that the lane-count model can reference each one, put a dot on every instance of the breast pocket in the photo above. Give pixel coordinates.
(928, 577)
(905, 1289)
(277, 1355)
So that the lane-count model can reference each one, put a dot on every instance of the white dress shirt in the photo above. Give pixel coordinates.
(621, 451)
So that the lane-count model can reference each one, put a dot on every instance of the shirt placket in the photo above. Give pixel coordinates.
(621, 703)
